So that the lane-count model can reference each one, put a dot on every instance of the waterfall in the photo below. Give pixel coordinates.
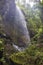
(14, 24)
(22, 27)
(18, 48)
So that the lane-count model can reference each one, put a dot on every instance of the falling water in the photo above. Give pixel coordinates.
(18, 48)
(14, 24)
(22, 27)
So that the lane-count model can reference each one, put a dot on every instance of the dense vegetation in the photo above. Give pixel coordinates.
(33, 55)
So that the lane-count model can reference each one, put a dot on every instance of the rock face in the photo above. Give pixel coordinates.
(12, 23)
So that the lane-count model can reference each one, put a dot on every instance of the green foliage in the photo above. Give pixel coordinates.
(34, 22)
(1, 50)
(31, 56)
(1, 44)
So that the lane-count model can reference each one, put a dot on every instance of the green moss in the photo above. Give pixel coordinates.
(30, 56)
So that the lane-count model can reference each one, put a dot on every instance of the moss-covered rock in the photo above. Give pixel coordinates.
(32, 56)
